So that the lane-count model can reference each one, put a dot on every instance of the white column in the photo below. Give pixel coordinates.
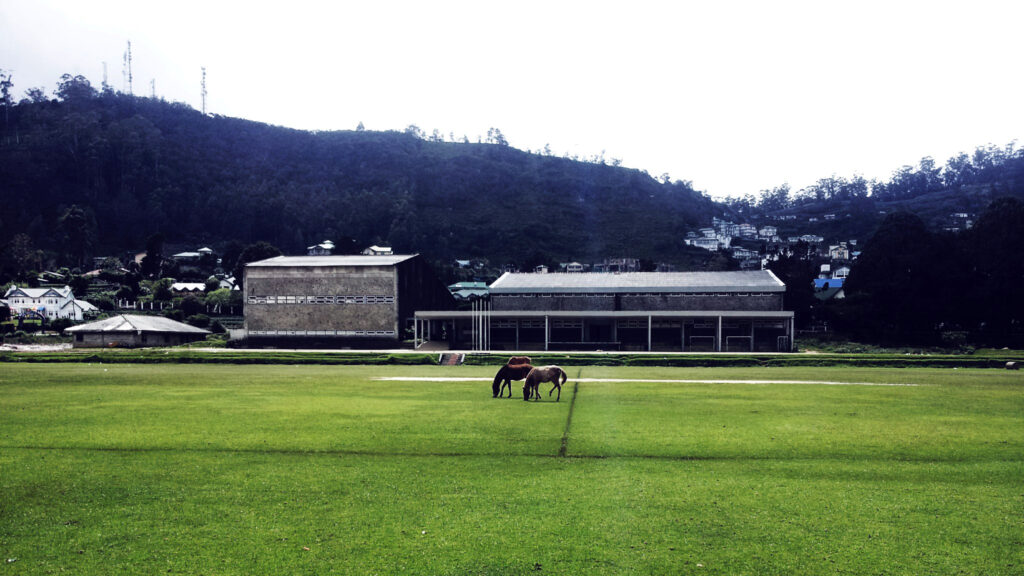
(415, 333)
(792, 333)
(718, 336)
(546, 335)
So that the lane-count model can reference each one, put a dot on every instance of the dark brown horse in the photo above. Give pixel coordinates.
(516, 368)
(553, 374)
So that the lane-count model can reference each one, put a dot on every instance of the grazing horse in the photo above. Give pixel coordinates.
(553, 374)
(506, 375)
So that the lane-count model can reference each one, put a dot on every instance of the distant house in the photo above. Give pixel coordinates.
(768, 232)
(618, 265)
(378, 251)
(463, 263)
(469, 290)
(133, 331)
(747, 230)
(839, 252)
(574, 267)
(828, 288)
(841, 272)
(325, 248)
(186, 257)
(706, 243)
(740, 253)
(541, 269)
(46, 303)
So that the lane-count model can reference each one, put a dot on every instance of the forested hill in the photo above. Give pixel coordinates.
(138, 166)
(840, 208)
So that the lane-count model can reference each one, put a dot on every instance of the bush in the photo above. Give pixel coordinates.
(60, 324)
(217, 328)
(191, 306)
(103, 302)
(198, 320)
(175, 314)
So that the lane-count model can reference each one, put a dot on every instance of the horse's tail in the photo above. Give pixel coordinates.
(565, 377)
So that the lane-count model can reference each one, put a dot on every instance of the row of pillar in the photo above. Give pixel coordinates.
(481, 331)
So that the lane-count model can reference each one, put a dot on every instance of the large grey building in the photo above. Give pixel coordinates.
(649, 311)
(338, 301)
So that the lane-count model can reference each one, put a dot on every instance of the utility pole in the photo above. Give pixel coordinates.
(152, 87)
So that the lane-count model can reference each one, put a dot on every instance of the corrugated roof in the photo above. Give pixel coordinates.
(327, 261)
(136, 323)
(747, 281)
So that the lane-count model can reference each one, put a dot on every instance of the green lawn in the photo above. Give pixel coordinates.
(209, 469)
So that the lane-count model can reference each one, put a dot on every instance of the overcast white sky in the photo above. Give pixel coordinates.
(734, 96)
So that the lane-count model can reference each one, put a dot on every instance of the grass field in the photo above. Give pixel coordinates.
(210, 469)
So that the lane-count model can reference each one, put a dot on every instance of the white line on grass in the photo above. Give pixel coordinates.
(657, 381)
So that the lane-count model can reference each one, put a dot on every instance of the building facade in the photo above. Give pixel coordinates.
(46, 303)
(640, 311)
(338, 301)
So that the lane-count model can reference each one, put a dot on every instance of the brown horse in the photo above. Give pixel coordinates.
(553, 374)
(506, 375)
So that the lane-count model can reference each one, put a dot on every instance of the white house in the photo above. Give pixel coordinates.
(48, 303)
(378, 251)
(325, 248)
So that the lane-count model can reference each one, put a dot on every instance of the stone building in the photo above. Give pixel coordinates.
(338, 301)
(134, 331)
(643, 311)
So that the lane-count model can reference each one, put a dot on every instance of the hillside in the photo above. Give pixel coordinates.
(137, 166)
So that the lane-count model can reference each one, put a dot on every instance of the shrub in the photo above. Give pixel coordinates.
(60, 324)
(198, 320)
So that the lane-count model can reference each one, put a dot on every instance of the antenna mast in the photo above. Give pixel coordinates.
(104, 75)
(152, 87)
(204, 90)
(128, 66)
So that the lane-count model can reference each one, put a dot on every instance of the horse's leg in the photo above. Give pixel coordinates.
(556, 385)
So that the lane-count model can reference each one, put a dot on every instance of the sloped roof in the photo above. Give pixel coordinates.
(38, 292)
(137, 323)
(328, 261)
(603, 282)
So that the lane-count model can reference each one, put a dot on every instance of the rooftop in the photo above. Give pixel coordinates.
(757, 280)
(328, 261)
(136, 323)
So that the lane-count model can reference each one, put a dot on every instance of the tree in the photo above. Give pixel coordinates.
(895, 282)
(162, 290)
(74, 88)
(152, 261)
(212, 284)
(5, 95)
(253, 253)
(78, 230)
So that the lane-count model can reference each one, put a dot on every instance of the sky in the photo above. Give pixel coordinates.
(735, 97)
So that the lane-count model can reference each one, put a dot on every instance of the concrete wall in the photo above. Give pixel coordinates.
(131, 339)
(321, 281)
